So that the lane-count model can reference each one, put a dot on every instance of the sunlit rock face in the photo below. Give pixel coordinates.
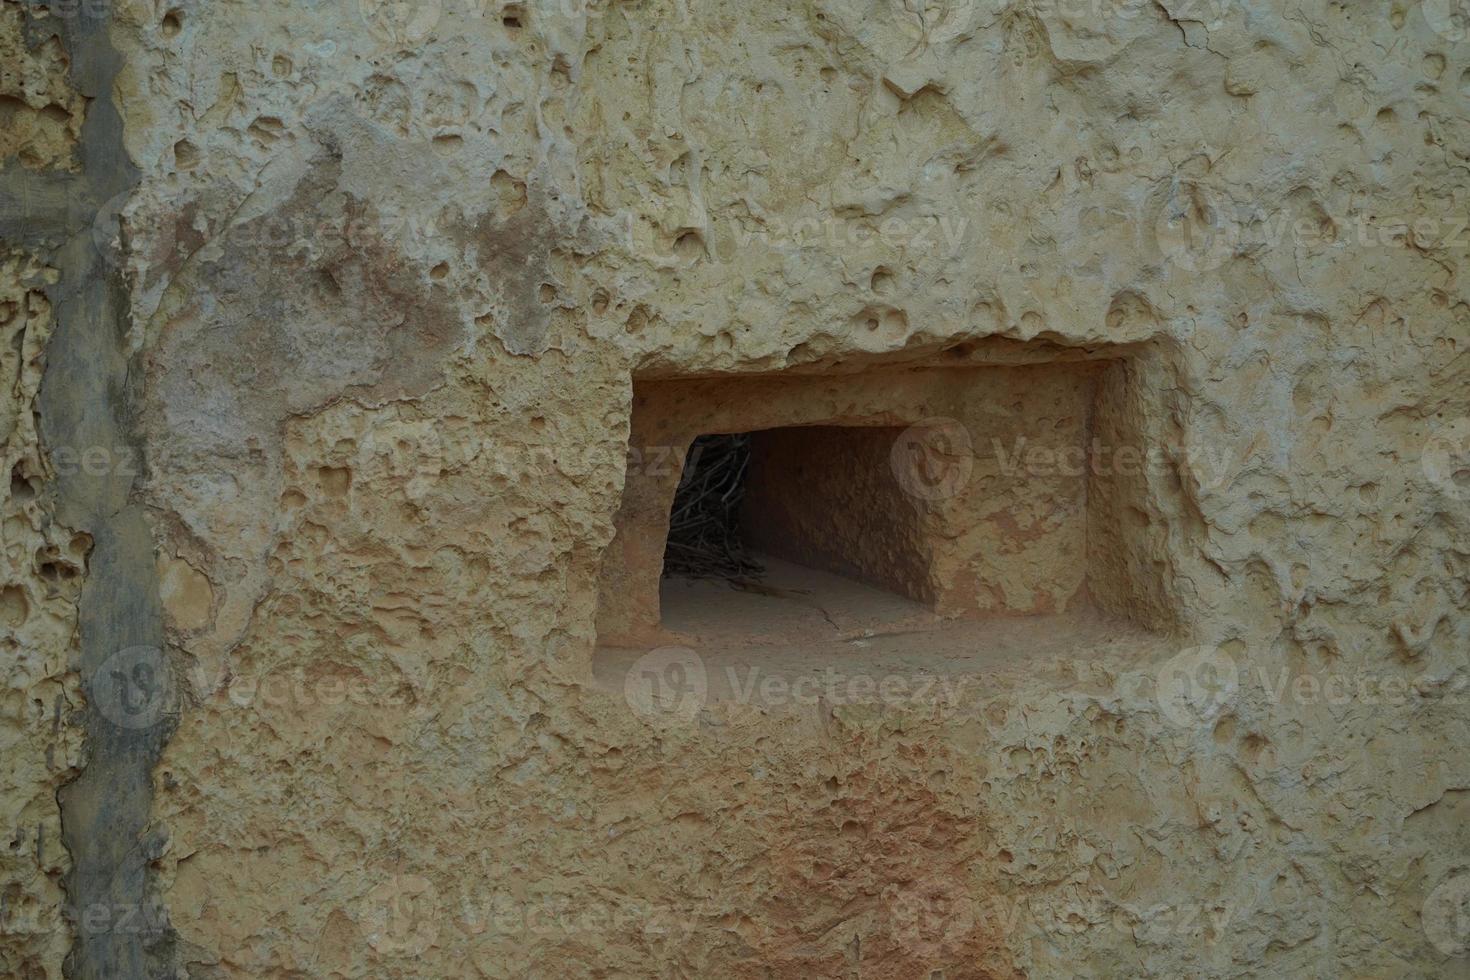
(388, 282)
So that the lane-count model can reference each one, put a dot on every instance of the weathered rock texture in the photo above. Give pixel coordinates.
(373, 322)
(40, 112)
(43, 567)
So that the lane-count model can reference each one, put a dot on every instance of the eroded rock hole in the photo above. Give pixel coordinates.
(807, 515)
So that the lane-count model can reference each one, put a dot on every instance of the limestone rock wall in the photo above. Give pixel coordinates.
(44, 564)
(40, 112)
(44, 561)
(388, 272)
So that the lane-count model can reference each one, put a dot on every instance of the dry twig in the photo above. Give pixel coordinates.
(704, 523)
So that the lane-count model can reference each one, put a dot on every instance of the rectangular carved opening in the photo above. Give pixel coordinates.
(895, 501)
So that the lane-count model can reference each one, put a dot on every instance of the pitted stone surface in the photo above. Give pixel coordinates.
(44, 566)
(390, 283)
